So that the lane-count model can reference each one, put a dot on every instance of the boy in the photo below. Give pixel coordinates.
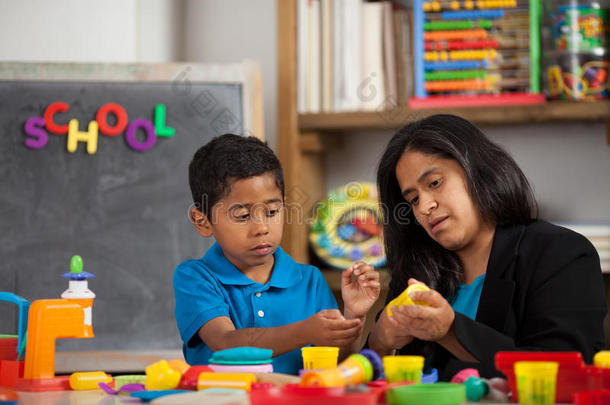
(246, 291)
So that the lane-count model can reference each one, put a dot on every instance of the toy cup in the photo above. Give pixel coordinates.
(536, 382)
(403, 368)
(319, 357)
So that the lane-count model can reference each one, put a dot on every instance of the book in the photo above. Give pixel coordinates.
(371, 91)
(326, 12)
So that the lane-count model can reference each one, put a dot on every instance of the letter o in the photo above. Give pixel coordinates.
(121, 117)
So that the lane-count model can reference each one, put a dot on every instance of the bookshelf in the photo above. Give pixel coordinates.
(304, 138)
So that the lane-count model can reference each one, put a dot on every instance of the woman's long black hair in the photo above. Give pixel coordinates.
(497, 186)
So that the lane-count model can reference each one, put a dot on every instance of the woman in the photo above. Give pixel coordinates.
(460, 217)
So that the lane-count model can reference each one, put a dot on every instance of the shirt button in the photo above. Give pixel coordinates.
(261, 313)
(258, 294)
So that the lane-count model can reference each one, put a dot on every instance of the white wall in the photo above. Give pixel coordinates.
(567, 164)
(90, 31)
(233, 30)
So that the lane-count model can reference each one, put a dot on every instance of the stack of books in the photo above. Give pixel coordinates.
(353, 55)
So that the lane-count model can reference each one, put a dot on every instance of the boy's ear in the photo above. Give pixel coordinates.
(201, 222)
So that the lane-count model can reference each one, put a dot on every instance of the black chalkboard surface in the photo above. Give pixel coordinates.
(123, 211)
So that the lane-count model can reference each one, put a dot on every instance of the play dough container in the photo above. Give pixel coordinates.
(536, 381)
(403, 368)
(319, 357)
(405, 299)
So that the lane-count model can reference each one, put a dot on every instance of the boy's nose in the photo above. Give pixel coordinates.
(260, 227)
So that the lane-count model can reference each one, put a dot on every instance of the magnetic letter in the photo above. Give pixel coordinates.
(75, 136)
(121, 119)
(34, 127)
(160, 128)
(130, 135)
(58, 106)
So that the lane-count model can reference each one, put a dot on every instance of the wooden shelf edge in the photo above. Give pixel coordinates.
(553, 111)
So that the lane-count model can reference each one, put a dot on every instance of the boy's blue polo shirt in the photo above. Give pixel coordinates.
(212, 286)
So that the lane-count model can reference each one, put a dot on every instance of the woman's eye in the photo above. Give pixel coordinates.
(243, 217)
(272, 213)
(435, 183)
(414, 201)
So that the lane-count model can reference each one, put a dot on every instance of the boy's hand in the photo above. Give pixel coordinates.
(359, 294)
(330, 328)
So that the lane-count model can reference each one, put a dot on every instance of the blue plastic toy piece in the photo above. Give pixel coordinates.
(430, 378)
(472, 14)
(148, 396)
(24, 307)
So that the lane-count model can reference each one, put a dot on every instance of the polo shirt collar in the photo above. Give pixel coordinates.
(286, 272)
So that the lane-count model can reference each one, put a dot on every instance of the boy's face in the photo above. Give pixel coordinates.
(247, 223)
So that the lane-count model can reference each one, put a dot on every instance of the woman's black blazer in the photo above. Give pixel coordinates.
(543, 291)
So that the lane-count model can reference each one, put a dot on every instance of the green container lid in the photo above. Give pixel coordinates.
(426, 394)
(366, 365)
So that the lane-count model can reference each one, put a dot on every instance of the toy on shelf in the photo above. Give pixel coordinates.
(476, 53)
(573, 375)
(578, 56)
(48, 320)
(347, 227)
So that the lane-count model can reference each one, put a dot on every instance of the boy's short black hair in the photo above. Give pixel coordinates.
(227, 158)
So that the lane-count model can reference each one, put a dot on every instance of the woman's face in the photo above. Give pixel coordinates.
(437, 190)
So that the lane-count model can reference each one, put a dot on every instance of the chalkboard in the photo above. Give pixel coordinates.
(124, 211)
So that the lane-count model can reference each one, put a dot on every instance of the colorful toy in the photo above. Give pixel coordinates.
(51, 319)
(160, 376)
(475, 53)
(319, 357)
(405, 299)
(346, 227)
(297, 395)
(573, 375)
(536, 381)
(242, 360)
(241, 381)
(376, 362)
(8, 344)
(355, 369)
(425, 394)
(403, 368)
(190, 378)
(88, 380)
(8, 397)
(578, 56)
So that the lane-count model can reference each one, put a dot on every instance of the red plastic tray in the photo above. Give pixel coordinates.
(573, 375)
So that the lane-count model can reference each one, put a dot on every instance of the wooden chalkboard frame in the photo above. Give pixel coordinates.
(246, 73)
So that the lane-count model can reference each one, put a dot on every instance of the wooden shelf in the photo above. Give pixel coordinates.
(554, 111)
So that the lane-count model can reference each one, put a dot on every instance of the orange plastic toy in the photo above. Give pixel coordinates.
(51, 319)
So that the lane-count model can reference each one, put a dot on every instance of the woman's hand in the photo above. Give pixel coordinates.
(359, 294)
(430, 322)
(390, 333)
